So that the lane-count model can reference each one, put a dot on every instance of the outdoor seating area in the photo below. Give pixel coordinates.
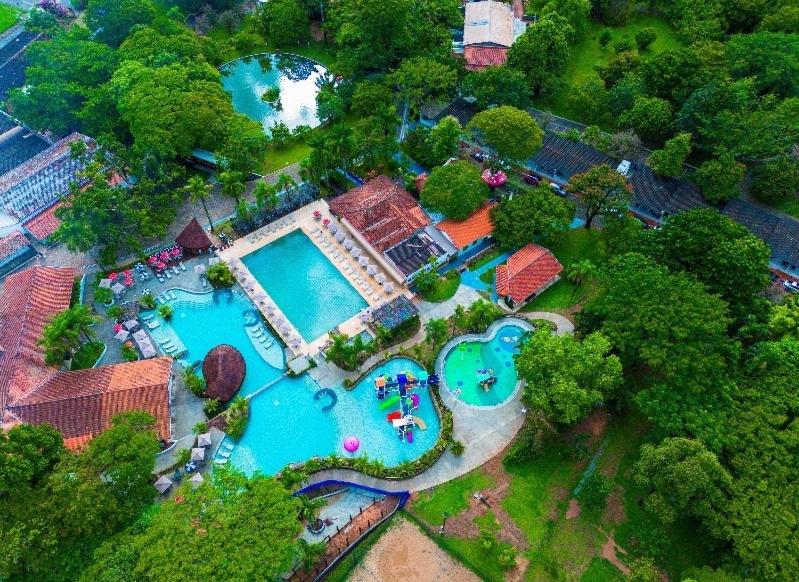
(200, 453)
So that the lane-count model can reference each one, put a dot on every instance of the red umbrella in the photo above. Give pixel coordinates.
(152, 260)
(326, 221)
(160, 266)
(117, 327)
(113, 276)
(163, 255)
(128, 281)
(128, 273)
(176, 252)
(494, 179)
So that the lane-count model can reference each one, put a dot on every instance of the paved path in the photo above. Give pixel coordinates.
(564, 325)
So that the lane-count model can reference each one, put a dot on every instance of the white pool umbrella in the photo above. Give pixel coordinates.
(371, 269)
(332, 227)
(198, 454)
(163, 484)
(196, 480)
(340, 236)
(105, 284)
(389, 288)
(380, 278)
(363, 261)
(356, 252)
(199, 269)
(122, 335)
(348, 244)
(204, 439)
(118, 289)
(140, 335)
(147, 350)
(131, 324)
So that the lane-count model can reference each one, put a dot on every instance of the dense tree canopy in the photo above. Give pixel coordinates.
(511, 134)
(542, 52)
(601, 191)
(498, 85)
(112, 20)
(530, 216)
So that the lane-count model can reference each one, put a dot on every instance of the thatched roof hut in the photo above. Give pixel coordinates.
(223, 369)
(193, 239)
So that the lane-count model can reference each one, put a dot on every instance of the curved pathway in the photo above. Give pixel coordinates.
(485, 432)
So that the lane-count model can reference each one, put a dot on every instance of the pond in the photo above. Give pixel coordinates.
(272, 88)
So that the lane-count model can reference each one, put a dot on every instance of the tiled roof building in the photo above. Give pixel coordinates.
(527, 272)
(29, 299)
(81, 404)
(489, 29)
(383, 212)
(15, 250)
(463, 233)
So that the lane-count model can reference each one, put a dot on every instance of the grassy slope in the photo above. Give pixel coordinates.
(587, 53)
(788, 206)
(576, 244)
(451, 497)
(9, 16)
(444, 289)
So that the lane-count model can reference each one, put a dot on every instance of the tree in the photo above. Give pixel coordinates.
(497, 85)
(683, 478)
(456, 190)
(669, 161)
(785, 18)
(444, 138)
(368, 96)
(510, 133)
(220, 277)
(112, 21)
(649, 117)
(565, 377)
(719, 178)
(29, 453)
(437, 332)
(284, 22)
(645, 37)
(615, 12)
(232, 184)
(422, 79)
(675, 74)
(243, 146)
(529, 216)
(622, 67)
(624, 144)
(776, 180)
(642, 570)
(770, 58)
(580, 271)
(64, 333)
(589, 100)
(574, 11)
(672, 334)
(601, 191)
(542, 52)
(718, 251)
(198, 191)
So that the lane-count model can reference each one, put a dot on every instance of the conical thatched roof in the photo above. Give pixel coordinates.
(193, 238)
(223, 369)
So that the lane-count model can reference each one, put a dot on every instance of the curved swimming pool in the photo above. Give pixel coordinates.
(290, 424)
(467, 362)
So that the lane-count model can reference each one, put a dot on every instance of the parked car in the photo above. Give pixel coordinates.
(480, 156)
(557, 189)
(791, 286)
(532, 180)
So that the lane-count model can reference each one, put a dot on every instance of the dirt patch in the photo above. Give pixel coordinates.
(463, 524)
(574, 509)
(594, 426)
(614, 510)
(404, 552)
(610, 552)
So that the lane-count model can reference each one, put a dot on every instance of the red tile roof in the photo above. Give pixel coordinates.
(29, 299)
(462, 233)
(527, 271)
(480, 57)
(81, 404)
(381, 211)
(12, 243)
(44, 224)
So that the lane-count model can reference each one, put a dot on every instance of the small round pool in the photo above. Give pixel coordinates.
(480, 370)
(289, 82)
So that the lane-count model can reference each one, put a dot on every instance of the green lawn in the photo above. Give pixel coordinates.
(444, 289)
(87, 355)
(488, 276)
(574, 245)
(601, 570)
(788, 206)
(586, 54)
(9, 16)
(278, 158)
(451, 497)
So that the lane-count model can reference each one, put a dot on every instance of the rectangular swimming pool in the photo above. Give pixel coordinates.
(306, 286)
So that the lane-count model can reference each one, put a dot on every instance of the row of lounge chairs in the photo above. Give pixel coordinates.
(272, 228)
(346, 266)
(174, 268)
(261, 336)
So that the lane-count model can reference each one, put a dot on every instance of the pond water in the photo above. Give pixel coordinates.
(296, 78)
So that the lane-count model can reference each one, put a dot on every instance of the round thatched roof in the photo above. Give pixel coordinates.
(193, 238)
(223, 369)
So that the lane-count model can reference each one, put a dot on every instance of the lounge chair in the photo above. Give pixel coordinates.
(262, 339)
(224, 454)
(161, 279)
(175, 270)
(257, 333)
(152, 324)
(204, 283)
(220, 462)
(173, 295)
(269, 342)
(228, 446)
(159, 300)
(182, 266)
(168, 276)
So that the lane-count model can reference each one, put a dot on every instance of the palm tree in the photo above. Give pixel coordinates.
(286, 183)
(579, 271)
(198, 190)
(232, 184)
(62, 335)
(437, 331)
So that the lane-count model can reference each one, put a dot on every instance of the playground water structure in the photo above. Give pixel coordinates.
(302, 281)
(479, 369)
(295, 420)
(295, 77)
(202, 321)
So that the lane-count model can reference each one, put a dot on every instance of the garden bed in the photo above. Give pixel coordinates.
(444, 289)
(88, 356)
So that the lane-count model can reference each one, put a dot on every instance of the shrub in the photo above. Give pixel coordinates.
(623, 46)
(645, 37)
(605, 37)
(129, 353)
(165, 311)
(211, 407)
(457, 448)
(776, 180)
(184, 456)
(200, 428)
(595, 491)
(103, 295)
(487, 539)
(507, 558)
(115, 312)
(236, 416)
(194, 383)
(220, 277)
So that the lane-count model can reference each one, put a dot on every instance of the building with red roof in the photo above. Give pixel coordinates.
(81, 404)
(29, 300)
(489, 30)
(526, 273)
(464, 233)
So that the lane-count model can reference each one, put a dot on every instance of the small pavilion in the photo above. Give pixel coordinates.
(194, 239)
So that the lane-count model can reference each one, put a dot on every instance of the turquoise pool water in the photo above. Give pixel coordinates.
(464, 361)
(202, 321)
(306, 286)
(288, 425)
(247, 78)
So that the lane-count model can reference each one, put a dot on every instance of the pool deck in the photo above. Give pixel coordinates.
(303, 219)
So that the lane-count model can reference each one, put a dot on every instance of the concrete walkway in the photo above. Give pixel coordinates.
(563, 324)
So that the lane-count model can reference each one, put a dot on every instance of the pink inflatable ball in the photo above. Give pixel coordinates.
(415, 400)
(351, 444)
